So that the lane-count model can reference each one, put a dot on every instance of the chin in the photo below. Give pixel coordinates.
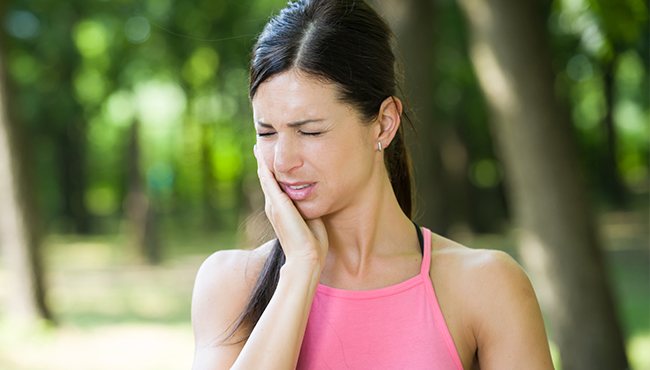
(310, 211)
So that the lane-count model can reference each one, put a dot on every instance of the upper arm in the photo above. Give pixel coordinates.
(220, 293)
(510, 330)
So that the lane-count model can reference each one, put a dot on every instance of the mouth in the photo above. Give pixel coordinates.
(298, 190)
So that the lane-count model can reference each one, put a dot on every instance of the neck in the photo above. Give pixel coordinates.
(374, 226)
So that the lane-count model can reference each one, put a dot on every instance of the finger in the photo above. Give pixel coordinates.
(273, 193)
(266, 185)
(267, 180)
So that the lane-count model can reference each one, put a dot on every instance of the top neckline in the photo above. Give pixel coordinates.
(422, 276)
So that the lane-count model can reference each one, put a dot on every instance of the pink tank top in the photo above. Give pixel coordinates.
(395, 327)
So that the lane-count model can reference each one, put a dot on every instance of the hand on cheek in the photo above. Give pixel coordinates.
(300, 239)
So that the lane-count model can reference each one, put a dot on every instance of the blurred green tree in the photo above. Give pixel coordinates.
(621, 24)
(85, 71)
(558, 238)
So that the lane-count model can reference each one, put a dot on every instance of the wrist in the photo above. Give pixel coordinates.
(298, 268)
(308, 259)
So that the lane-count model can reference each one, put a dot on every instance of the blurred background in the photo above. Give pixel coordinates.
(126, 159)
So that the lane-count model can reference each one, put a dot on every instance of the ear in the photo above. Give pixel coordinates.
(389, 119)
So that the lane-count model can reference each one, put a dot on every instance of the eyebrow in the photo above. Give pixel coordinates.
(291, 124)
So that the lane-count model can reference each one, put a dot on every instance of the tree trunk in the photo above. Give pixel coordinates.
(71, 149)
(611, 175)
(71, 137)
(558, 241)
(414, 26)
(139, 209)
(19, 237)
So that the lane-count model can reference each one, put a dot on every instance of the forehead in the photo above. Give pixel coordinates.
(292, 96)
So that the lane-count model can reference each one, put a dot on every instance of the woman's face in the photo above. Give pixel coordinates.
(318, 148)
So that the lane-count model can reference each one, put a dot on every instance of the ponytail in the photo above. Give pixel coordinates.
(400, 169)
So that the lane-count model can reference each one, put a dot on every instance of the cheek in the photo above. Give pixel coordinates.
(348, 162)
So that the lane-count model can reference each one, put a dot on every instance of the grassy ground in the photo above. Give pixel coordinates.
(114, 314)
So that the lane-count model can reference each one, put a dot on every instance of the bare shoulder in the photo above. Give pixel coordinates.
(476, 270)
(467, 281)
(221, 289)
(491, 306)
(241, 264)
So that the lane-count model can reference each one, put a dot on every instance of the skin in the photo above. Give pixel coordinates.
(351, 233)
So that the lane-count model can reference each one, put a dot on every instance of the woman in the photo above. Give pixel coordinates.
(350, 282)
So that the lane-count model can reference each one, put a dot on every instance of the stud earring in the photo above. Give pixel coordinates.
(379, 148)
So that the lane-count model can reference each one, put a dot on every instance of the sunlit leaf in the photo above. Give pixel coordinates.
(201, 67)
(91, 38)
(227, 158)
(101, 200)
(119, 108)
(90, 85)
(159, 104)
(24, 68)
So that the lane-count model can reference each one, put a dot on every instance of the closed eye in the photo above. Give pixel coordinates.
(263, 134)
(311, 133)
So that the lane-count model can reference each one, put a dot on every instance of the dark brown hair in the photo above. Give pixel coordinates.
(344, 42)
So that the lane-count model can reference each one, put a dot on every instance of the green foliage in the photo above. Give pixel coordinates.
(176, 67)
(83, 72)
(601, 48)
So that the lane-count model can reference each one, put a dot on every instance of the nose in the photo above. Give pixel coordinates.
(287, 156)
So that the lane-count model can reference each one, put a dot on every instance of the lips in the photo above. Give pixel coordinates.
(298, 190)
